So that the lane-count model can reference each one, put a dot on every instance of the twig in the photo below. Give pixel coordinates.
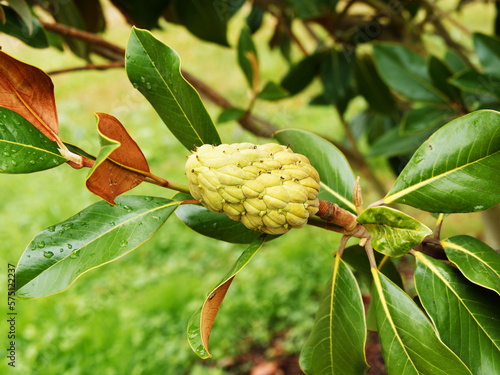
(332, 213)
(371, 256)
(113, 64)
(439, 224)
(343, 242)
(447, 16)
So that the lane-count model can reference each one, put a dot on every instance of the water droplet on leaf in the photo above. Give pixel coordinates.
(48, 254)
(41, 244)
(124, 243)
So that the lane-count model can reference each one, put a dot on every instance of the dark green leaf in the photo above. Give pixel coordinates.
(336, 176)
(474, 82)
(406, 72)
(214, 225)
(273, 91)
(465, 315)
(456, 170)
(207, 19)
(23, 148)
(454, 61)
(200, 324)
(254, 19)
(488, 51)
(392, 232)
(99, 234)
(154, 69)
(247, 56)
(371, 86)
(230, 114)
(337, 78)
(337, 341)
(303, 73)
(144, 13)
(476, 260)
(409, 343)
(92, 15)
(439, 74)
(24, 12)
(311, 8)
(16, 27)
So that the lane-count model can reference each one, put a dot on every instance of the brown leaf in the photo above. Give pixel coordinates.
(210, 310)
(119, 171)
(28, 91)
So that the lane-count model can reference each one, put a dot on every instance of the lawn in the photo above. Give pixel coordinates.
(130, 316)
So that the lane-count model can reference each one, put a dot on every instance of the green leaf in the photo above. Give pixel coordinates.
(15, 26)
(372, 87)
(214, 225)
(200, 324)
(465, 315)
(144, 13)
(302, 73)
(477, 83)
(355, 256)
(246, 48)
(392, 232)
(337, 341)
(154, 69)
(406, 72)
(488, 51)
(477, 261)
(24, 12)
(230, 114)
(99, 234)
(273, 91)
(311, 8)
(456, 170)
(254, 19)
(24, 148)
(415, 127)
(454, 61)
(409, 343)
(439, 74)
(336, 176)
(336, 78)
(207, 19)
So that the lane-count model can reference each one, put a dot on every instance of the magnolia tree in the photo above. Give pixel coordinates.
(445, 149)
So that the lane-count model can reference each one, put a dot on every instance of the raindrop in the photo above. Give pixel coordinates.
(124, 243)
(29, 256)
(148, 199)
(129, 209)
(127, 55)
(61, 250)
(48, 254)
(41, 244)
(143, 79)
(32, 161)
(6, 153)
(135, 85)
(70, 246)
(112, 224)
(14, 162)
(67, 226)
(51, 229)
(148, 85)
(214, 225)
(75, 254)
(33, 246)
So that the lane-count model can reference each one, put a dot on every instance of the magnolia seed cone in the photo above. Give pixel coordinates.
(268, 188)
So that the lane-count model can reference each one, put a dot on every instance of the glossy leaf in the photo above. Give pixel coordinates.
(214, 225)
(409, 343)
(154, 69)
(477, 83)
(28, 91)
(200, 324)
(255, 18)
(454, 61)
(372, 87)
(119, 157)
(488, 51)
(207, 19)
(456, 170)
(302, 73)
(336, 77)
(23, 148)
(439, 74)
(273, 91)
(406, 72)
(16, 27)
(415, 127)
(336, 176)
(465, 315)
(392, 232)
(99, 234)
(24, 12)
(230, 114)
(355, 256)
(247, 57)
(477, 261)
(337, 341)
(144, 14)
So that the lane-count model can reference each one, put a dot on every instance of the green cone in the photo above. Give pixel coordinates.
(268, 187)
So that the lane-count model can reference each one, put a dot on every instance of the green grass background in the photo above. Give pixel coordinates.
(130, 316)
